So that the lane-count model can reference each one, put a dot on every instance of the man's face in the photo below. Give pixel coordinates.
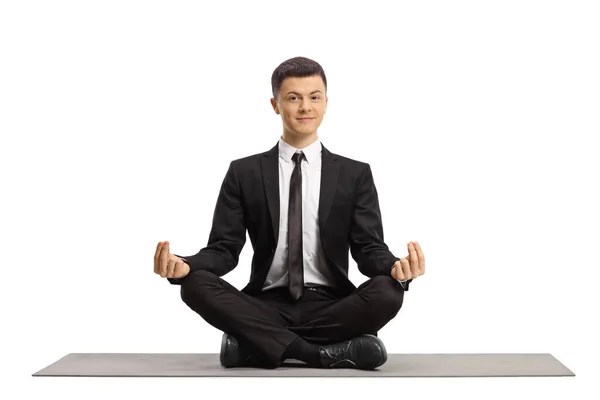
(302, 104)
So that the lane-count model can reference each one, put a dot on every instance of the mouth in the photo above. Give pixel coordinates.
(304, 119)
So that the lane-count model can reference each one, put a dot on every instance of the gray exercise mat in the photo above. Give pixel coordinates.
(397, 365)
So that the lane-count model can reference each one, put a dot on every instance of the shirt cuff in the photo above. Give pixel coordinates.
(404, 283)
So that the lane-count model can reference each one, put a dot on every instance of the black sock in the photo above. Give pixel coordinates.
(305, 351)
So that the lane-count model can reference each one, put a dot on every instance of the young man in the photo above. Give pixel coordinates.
(304, 208)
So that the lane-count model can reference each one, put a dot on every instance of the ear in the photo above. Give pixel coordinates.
(274, 105)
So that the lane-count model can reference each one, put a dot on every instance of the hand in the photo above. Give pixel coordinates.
(411, 267)
(168, 265)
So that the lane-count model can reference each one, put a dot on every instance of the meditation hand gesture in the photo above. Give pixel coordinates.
(411, 267)
(168, 265)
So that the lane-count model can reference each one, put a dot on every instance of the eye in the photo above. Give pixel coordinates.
(316, 97)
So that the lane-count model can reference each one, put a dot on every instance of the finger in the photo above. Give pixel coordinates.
(421, 258)
(156, 258)
(178, 268)
(406, 268)
(414, 260)
(164, 259)
(171, 267)
(399, 274)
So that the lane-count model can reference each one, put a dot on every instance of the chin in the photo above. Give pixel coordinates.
(300, 132)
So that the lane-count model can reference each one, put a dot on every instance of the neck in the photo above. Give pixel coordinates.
(298, 141)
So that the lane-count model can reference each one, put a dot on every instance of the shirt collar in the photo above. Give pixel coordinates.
(311, 152)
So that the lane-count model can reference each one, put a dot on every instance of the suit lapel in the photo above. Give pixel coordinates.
(270, 171)
(329, 180)
(269, 165)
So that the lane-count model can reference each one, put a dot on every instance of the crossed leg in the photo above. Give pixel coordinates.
(269, 323)
(372, 305)
(260, 321)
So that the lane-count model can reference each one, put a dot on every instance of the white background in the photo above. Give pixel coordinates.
(479, 120)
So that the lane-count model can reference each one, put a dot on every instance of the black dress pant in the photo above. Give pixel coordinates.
(271, 320)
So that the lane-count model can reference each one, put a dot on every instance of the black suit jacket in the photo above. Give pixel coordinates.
(349, 219)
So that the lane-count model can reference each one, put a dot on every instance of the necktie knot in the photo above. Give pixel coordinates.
(297, 157)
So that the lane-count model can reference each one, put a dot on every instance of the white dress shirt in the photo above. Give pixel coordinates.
(316, 271)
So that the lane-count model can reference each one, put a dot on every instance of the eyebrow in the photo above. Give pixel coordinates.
(314, 91)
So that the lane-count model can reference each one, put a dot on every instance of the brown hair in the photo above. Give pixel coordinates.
(295, 67)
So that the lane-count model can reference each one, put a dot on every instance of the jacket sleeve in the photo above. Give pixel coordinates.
(228, 233)
(366, 231)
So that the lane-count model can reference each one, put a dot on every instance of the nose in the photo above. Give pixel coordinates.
(305, 105)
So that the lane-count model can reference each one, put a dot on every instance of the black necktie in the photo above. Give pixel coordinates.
(295, 264)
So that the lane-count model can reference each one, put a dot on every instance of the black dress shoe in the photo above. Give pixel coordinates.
(231, 353)
(237, 353)
(362, 352)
